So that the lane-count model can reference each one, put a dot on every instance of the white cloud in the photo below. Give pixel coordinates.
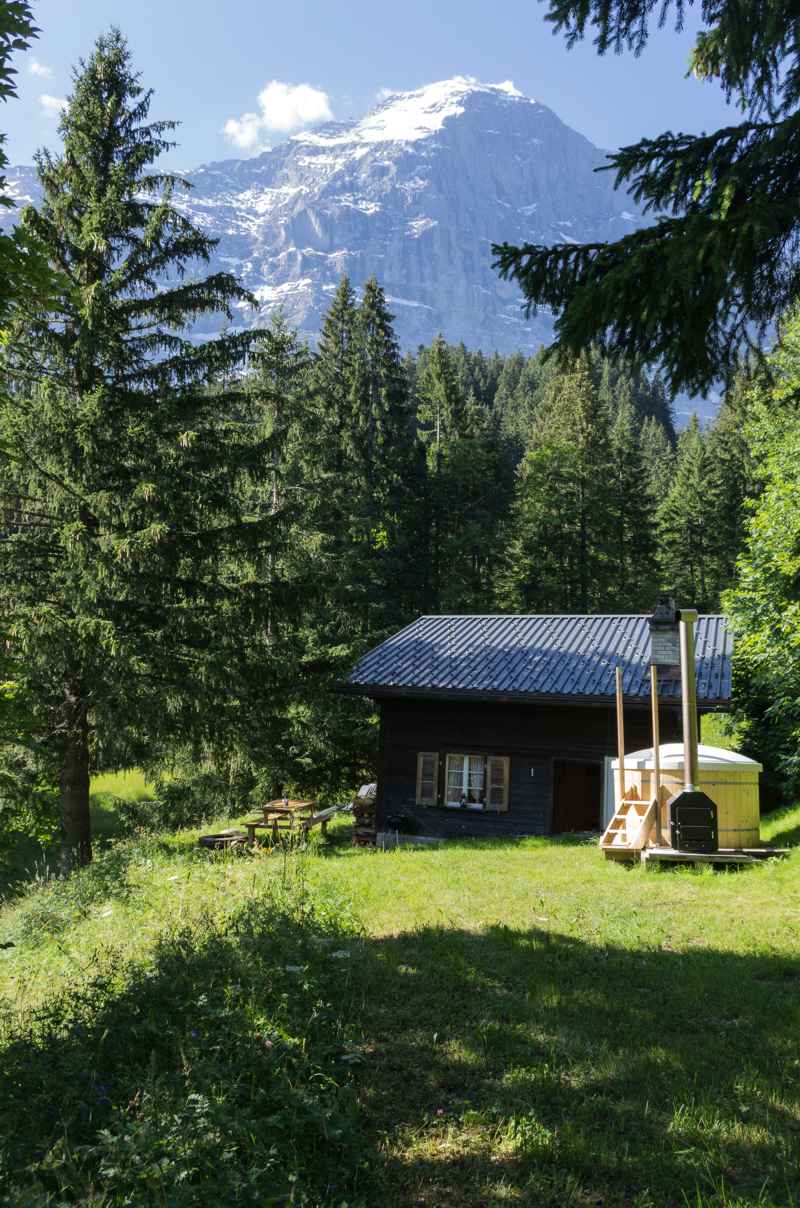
(244, 131)
(40, 69)
(282, 108)
(384, 93)
(52, 105)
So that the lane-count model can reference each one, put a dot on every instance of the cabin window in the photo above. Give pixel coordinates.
(466, 781)
(476, 782)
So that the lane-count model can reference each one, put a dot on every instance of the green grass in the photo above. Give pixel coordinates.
(30, 859)
(718, 730)
(476, 1024)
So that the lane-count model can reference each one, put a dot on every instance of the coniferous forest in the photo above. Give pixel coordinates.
(200, 538)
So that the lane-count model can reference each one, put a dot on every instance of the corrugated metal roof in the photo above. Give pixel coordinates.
(536, 656)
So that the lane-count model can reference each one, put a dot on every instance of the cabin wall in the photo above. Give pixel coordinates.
(533, 736)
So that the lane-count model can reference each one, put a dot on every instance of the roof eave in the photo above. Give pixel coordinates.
(388, 691)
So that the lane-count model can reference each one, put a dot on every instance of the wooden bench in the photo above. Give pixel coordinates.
(320, 819)
(271, 822)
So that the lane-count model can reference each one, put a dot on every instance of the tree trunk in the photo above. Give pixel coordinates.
(76, 840)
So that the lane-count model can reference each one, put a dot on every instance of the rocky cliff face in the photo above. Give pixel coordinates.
(415, 193)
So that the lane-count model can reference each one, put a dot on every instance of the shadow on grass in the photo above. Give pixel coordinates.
(527, 1067)
(284, 1060)
(786, 820)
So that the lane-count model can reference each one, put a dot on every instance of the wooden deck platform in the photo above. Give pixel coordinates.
(725, 855)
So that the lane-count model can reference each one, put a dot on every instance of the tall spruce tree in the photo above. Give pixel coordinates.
(634, 583)
(441, 401)
(352, 557)
(334, 376)
(560, 555)
(763, 604)
(732, 470)
(538, 571)
(469, 483)
(385, 477)
(363, 455)
(658, 459)
(123, 467)
(280, 399)
(687, 541)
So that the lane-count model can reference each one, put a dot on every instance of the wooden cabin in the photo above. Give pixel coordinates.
(505, 725)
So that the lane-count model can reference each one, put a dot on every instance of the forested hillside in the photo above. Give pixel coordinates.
(199, 538)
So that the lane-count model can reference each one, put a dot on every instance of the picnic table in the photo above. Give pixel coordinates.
(279, 815)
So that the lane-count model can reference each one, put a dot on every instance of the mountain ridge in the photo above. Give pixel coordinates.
(415, 193)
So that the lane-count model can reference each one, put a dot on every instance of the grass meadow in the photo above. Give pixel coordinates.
(499, 1023)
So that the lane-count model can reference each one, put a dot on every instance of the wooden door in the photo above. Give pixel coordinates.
(577, 796)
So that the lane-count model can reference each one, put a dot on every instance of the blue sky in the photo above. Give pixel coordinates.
(210, 62)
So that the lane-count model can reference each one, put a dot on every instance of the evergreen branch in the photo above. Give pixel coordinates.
(212, 295)
(745, 46)
(691, 291)
(25, 457)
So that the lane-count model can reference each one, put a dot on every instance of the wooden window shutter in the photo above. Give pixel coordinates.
(497, 777)
(427, 777)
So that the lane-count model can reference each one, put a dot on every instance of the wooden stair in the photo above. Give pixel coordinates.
(629, 830)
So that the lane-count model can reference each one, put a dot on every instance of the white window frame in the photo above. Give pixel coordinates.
(466, 772)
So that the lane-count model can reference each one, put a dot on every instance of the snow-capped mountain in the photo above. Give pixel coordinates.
(416, 192)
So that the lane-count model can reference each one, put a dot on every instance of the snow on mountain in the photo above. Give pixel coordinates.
(415, 192)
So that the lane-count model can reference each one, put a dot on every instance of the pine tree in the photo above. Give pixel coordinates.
(123, 465)
(351, 552)
(763, 603)
(658, 460)
(539, 572)
(279, 394)
(617, 376)
(732, 474)
(334, 372)
(385, 467)
(518, 399)
(687, 541)
(469, 481)
(441, 402)
(562, 506)
(632, 514)
(362, 456)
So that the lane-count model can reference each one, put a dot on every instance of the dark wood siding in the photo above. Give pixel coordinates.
(533, 736)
